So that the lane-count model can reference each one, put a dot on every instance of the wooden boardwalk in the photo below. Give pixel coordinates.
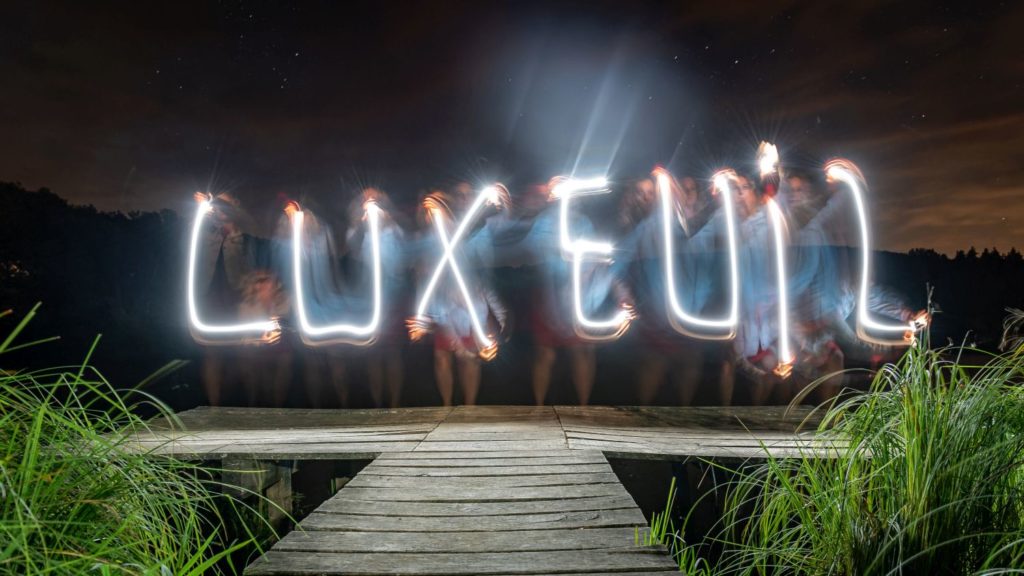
(471, 490)
(473, 512)
(265, 434)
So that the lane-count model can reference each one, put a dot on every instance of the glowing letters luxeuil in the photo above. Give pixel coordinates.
(578, 251)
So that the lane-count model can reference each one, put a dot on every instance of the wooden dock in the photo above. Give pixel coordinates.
(267, 434)
(472, 490)
(506, 512)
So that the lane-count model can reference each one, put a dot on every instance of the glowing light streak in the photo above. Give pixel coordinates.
(768, 162)
(266, 331)
(580, 249)
(360, 335)
(679, 318)
(785, 363)
(848, 173)
(486, 345)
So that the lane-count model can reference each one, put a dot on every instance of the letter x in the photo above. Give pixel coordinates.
(489, 194)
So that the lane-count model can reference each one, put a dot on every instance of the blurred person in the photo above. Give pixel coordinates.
(800, 196)
(813, 287)
(637, 203)
(692, 203)
(459, 198)
(266, 371)
(456, 345)
(825, 285)
(552, 320)
(226, 254)
(384, 359)
(324, 365)
(663, 349)
(757, 335)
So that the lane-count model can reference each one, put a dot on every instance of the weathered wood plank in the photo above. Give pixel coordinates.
(313, 451)
(485, 445)
(683, 452)
(525, 433)
(340, 504)
(511, 541)
(735, 417)
(228, 418)
(508, 413)
(603, 415)
(429, 494)
(500, 482)
(628, 517)
(281, 437)
(294, 563)
(284, 426)
(686, 433)
(522, 470)
(536, 456)
(676, 444)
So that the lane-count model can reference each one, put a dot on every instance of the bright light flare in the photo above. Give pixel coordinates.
(580, 250)
(681, 320)
(841, 170)
(341, 333)
(489, 353)
(767, 158)
(261, 332)
(494, 195)
(921, 320)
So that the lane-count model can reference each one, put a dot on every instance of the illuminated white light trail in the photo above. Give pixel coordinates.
(848, 173)
(580, 249)
(679, 318)
(768, 163)
(262, 331)
(360, 335)
(492, 195)
(785, 362)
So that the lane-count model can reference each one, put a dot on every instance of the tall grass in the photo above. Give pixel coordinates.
(662, 532)
(76, 499)
(932, 481)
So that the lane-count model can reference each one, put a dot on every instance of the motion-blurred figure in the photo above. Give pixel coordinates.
(266, 371)
(825, 285)
(552, 317)
(452, 320)
(758, 331)
(663, 349)
(326, 300)
(226, 255)
(384, 358)
(816, 285)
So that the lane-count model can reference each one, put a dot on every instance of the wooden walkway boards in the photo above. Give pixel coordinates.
(257, 434)
(470, 490)
(474, 511)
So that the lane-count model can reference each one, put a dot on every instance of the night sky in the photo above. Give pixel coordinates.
(134, 105)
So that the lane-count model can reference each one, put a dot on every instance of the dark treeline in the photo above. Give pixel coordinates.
(121, 275)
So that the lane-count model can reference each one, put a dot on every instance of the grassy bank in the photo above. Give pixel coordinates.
(74, 499)
(932, 481)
